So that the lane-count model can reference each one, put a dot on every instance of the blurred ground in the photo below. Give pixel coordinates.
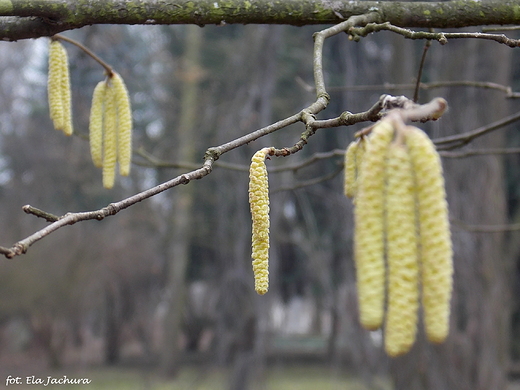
(301, 377)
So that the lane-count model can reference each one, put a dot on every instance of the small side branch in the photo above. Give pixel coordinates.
(357, 32)
(40, 213)
(485, 228)
(459, 140)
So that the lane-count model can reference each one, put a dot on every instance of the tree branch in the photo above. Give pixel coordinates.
(22, 19)
(459, 140)
(430, 85)
(440, 36)
(479, 152)
(485, 228)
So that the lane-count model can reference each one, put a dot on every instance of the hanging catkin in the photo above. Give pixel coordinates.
(124, 125)
(110, 138)
(435, 242)
(54, 84)
(369, 233)
(66, 93)
(401, 251)
(259, 204)
(96, 123)
(353, 158)
(58, 88)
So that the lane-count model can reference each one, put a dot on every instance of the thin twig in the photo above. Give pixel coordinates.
(432, 85)
(421, 67)
(485, 228)
(310, 182)
(459, 140)
(108, 69)
(40, 213)
(441, 37)
(479, 152)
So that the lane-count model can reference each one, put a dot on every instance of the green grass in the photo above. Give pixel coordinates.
(197, 378)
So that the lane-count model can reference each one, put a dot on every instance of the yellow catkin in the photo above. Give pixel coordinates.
(259, 204)
(369, 224)
(401, 252)
(54, 84)
(353, 158)
(96, 124)
(110, 138)
(350, 169)
(65, 92)
(435, 241)
(124, 125)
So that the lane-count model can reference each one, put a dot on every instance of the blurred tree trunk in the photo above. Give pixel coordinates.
(476, 354)
(181, 232)
(112, 324)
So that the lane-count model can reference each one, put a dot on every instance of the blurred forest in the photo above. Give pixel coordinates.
(169, 282)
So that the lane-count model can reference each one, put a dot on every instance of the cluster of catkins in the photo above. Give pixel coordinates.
(402, 241)
(110, 130)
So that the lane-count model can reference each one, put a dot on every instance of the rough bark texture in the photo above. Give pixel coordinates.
(24, 19)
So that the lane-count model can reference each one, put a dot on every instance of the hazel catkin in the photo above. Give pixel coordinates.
(58, 88)
(353, 158)
(66, 93)
(96, 123)
(124, 124)
(435, 241)
(369, 227)
(401, 252)
(109, 138)
(54, 85)
(259, 205)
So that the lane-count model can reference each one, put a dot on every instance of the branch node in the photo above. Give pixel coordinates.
(111, 209)
(212, 153)
(324, 95)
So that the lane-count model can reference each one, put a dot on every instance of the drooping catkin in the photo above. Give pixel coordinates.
(54, 84)
(109, 138)
(401, 252)
(96, 123)
(259, 205)
(66, 93)
(369, 227)
(435, 241)
(350, 169)
(124, 125)
(353, 158)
